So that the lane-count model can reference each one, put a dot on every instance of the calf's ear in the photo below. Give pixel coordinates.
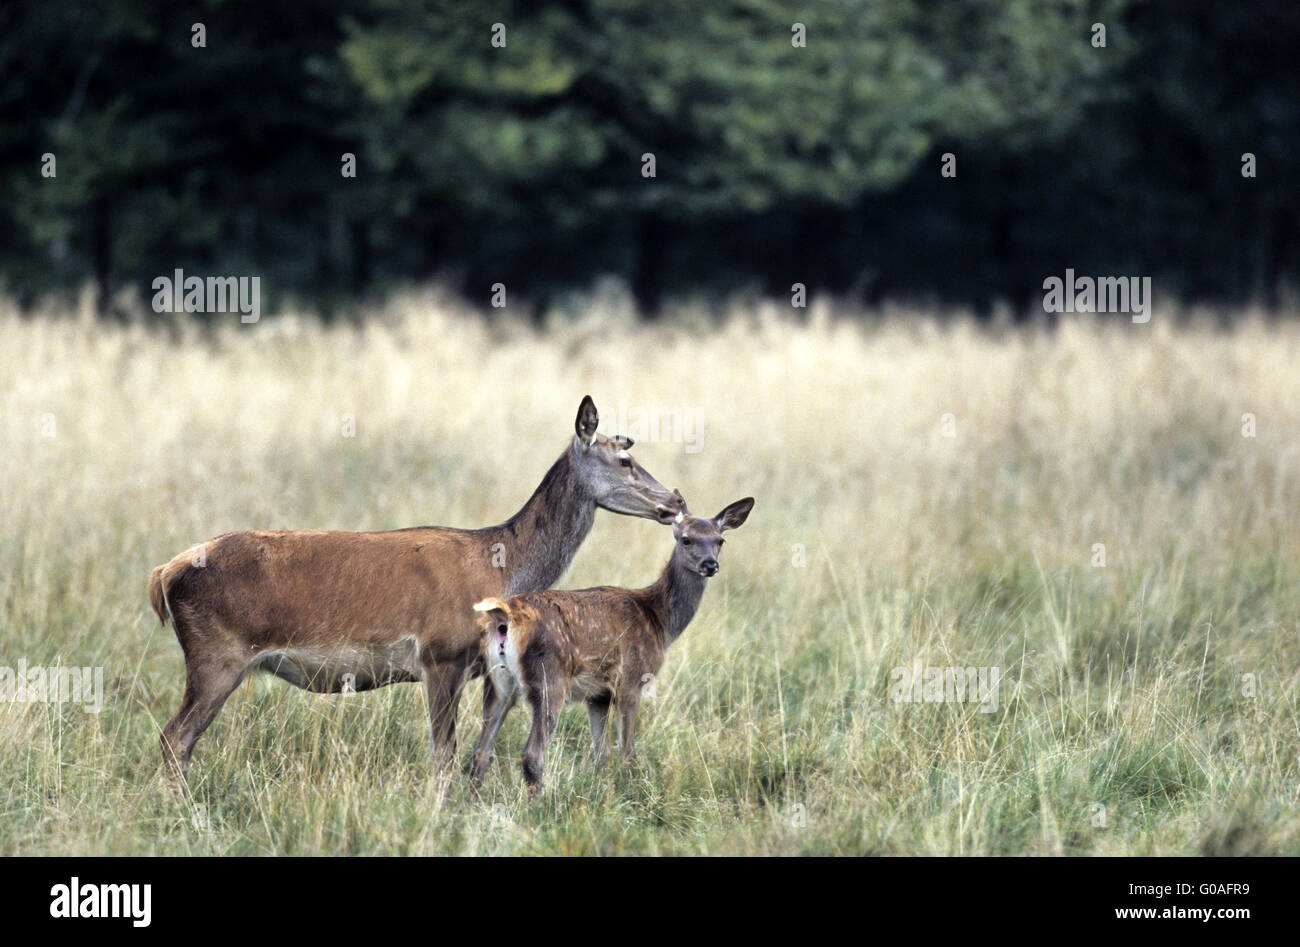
(733, 514)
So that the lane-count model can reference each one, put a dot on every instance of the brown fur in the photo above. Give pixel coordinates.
(162, 579)
(332, 611)
(600, 645)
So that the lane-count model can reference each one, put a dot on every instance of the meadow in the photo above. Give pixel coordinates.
(1105, 512)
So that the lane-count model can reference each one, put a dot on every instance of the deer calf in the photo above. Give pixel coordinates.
(598, 645)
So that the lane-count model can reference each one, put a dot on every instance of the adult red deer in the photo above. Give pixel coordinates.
(332, 611)
(598, 645)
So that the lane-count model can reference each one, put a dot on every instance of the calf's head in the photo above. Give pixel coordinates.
(699, 539)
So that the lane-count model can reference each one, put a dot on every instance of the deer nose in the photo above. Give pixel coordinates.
(710, 566)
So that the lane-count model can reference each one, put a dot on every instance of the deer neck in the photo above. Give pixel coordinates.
(678, 593)
(540, 541)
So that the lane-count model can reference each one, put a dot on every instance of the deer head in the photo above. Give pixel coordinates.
(617, 482)
(699, 539)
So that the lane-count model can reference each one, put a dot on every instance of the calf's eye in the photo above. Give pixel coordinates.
(625, 462)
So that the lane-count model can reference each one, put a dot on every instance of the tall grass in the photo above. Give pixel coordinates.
(1147, 706)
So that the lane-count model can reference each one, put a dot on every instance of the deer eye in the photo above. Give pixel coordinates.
(686, 541)
(625, 462)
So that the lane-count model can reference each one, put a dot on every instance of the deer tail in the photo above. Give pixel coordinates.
(164, 576)
(490, 605)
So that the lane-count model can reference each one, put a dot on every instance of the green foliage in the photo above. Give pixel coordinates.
(521, 160)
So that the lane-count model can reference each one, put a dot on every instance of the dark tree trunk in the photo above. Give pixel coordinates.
(362, 259)
(325, 289)
(1008, 260)
(101, 251)
(1279, 244)
(652, 252)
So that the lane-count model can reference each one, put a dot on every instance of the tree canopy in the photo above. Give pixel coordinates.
(685, 147)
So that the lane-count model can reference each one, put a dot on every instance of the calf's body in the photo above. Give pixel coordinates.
(601, 646)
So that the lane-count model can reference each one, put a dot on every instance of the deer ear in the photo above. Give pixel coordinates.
(734, 514)
(588, 419)
(624, 441)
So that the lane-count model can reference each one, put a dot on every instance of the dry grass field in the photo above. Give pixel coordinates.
(927, 491)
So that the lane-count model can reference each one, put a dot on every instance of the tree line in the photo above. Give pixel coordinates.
(955, 152)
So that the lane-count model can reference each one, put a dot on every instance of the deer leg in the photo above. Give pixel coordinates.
(207, 686)
(497, 702)
(546, 702)
(629, 705)
(598, 717)
(442, 684)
